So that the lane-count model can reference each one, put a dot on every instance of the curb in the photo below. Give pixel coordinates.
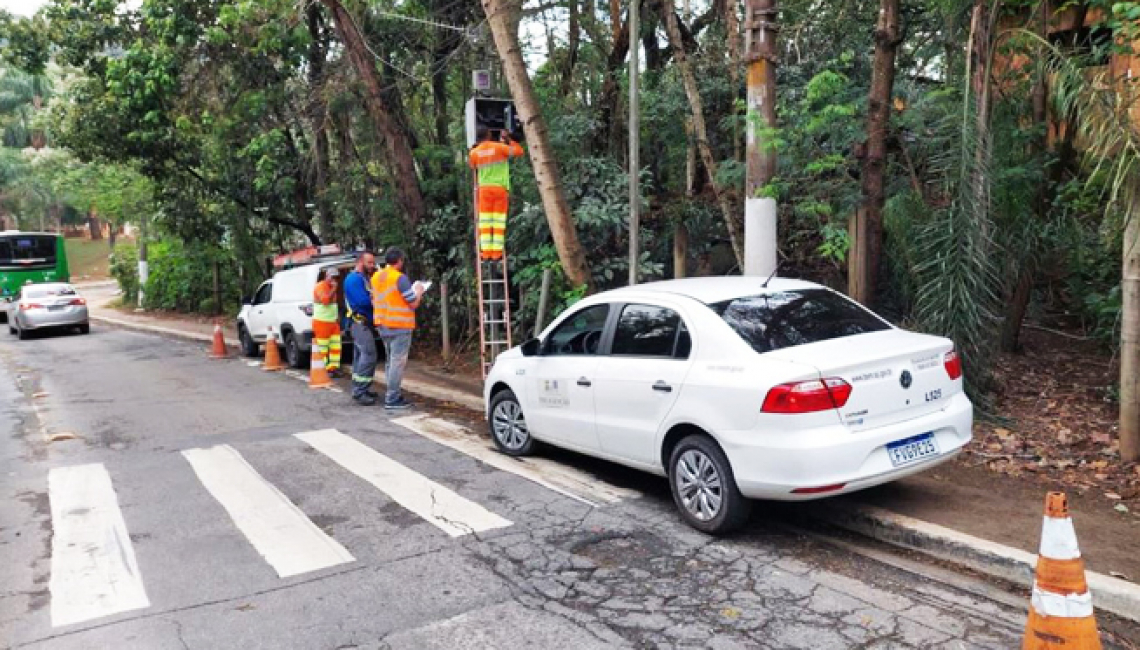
(158, 329)
(1110, 594)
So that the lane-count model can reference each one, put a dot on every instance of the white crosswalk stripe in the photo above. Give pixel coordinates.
(94, 572)
(93, 568)
(552, 475)
(433, 502)
(285, 537)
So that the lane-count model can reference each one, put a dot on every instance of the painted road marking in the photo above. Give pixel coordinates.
(435, 503)
(93, 567)
(568, 481)
(281, 533)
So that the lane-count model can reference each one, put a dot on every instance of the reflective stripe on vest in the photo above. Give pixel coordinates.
(388, 305)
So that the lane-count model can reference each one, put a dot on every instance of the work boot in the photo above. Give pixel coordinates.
(335, 373)
(364, 400)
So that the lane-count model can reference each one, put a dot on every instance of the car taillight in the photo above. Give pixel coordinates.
(77, 301)
(308, 309)
(808, 396)
(24, 306)
(953, 364)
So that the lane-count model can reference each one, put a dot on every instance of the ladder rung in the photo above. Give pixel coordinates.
(494, 322)
(496, 343)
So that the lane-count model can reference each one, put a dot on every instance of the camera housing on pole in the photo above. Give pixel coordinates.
(495, 114)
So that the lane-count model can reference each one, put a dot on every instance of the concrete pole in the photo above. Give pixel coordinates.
(634, 138)
(760, 237)
(144, 268)
(543, 297)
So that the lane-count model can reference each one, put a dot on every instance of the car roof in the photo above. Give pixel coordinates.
(714, 289)
(49, 285)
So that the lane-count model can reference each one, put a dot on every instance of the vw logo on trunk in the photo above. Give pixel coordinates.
(906, 379)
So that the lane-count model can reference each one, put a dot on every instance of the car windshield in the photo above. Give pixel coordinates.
(47, 292)
(786, 319)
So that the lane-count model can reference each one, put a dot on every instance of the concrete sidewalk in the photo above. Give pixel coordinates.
(1121, 597)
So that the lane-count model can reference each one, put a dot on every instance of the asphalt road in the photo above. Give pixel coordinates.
(153, 498)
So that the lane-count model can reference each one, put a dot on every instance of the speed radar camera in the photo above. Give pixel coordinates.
(495, 114)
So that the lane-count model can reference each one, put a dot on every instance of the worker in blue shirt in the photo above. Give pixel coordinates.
(358, 299)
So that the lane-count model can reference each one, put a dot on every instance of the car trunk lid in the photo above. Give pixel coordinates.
(894, 375)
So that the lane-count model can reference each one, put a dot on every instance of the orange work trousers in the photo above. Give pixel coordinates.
(326, 336)
(491, 208)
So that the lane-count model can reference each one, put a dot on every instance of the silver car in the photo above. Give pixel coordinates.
(54, 305)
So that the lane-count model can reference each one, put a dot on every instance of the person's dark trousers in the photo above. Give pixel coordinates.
(363, 359)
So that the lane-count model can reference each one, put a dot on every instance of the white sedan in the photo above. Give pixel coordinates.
(734, 390)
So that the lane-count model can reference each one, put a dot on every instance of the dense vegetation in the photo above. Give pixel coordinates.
(236, 129)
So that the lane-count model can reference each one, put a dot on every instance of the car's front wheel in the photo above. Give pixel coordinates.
(508, 425)
(293, 355)
(704, 488)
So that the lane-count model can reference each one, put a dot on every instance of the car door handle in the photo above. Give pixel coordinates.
(663, 387)
(585, 383)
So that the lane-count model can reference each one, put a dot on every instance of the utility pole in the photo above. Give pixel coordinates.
(760, 213)
(144, 270)
(634, 138)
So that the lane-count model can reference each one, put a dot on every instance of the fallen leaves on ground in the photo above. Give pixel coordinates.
(1056, 421)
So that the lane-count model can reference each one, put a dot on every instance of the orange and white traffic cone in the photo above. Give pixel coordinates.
(272, 355)
(318, 376)
(1061, 609)
(219, 350)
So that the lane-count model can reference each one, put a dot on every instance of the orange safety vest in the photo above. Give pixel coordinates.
(389, 309)
(324, 302)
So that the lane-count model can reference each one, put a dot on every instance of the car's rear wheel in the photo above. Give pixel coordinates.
(704, 488)
(249, 347)
(85, 328)
(21, 333)
(508, 425)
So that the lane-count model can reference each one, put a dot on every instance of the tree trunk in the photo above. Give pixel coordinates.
(503, 17)
(607, 133)
(94, 226)
(1026, 270)
(984, 20)
(1130, 337)
(317, 114)
(680, 250)
(679, 55)
(573, 39)
(396, 140)
(732, 27)
(866, 250)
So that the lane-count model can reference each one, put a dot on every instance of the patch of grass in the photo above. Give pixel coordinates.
(88, 260)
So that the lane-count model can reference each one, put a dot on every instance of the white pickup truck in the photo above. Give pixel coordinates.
(285, 303)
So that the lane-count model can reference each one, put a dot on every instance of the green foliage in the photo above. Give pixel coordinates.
(182, 279)
(125, 270)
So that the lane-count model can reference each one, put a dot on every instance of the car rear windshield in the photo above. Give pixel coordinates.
(24, 251)
(786, 319)
(47, 292)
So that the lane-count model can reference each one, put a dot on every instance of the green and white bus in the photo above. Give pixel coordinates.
(30, 257)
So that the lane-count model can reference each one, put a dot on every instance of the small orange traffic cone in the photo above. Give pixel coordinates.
(219, 350)
(1061, 610)
(318, 376)
(272, 355)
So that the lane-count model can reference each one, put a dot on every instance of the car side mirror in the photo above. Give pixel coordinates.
(532, 348)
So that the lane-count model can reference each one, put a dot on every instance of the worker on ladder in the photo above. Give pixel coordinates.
(491, 162)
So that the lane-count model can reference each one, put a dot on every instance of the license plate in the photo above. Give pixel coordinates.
(57, 307)
(915, 448)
